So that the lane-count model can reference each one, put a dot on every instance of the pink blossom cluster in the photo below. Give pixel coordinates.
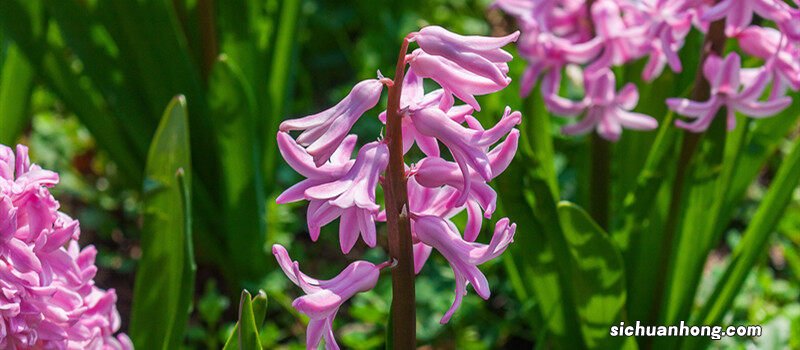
(557, 34)
(439, 186)
(48, 298)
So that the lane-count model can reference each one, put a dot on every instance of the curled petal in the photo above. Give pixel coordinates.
(324, 132)
(463, 256)
(453, 78)
(324, 297)
(477, 54)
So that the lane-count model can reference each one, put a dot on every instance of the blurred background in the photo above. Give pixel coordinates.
(84, 84)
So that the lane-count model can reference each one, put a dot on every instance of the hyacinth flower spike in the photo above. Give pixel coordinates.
(338, 187)
(724, 78)
(464, 257)
(324, 297)
(352, 196)
(324, 131)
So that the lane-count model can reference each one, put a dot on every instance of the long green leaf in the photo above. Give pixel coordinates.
(542, 256)
(16, 85)
(598, 278)
(705, 186)
(761, 142)
(233, 108)
(279, 82)
(752, 246)
(165, 278)
(77, 25)
(25, 21)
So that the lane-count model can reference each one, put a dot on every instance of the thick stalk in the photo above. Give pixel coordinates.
(400, 245)
(714, 43)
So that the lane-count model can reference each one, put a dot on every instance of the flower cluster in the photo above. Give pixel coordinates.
(49, 299)
(439, 187)
(557, 34)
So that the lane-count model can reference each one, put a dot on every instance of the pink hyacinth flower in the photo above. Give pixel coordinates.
(606, 111)
(668, 22)
(466, 145)
(435, 172)
(463, 256)
(738, 14)
(433, 200)
(548, 53)
(49, 299)
(414, 97)
(302, 162)
(621, 42)
(781, 56)
(454, 79)
(324, 131)
(724, 78)
(480, 55)
(351, 197)
(322, 211)
(324, 297)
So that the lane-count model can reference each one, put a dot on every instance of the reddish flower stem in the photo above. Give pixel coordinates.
(399, 227)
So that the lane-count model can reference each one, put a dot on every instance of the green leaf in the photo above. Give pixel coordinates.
(752, 246)
(598, 278)
(279, 83)
(232, 107)
(25, 22)
(79, 28)
(705, 184)
(260, 308)
(542, 255)
(245, 333)
(16, 85)
(760, 143)
(165, 277)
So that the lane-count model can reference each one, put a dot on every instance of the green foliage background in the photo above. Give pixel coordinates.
(86, 84)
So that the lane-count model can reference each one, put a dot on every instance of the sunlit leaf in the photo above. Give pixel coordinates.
(165, 278)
